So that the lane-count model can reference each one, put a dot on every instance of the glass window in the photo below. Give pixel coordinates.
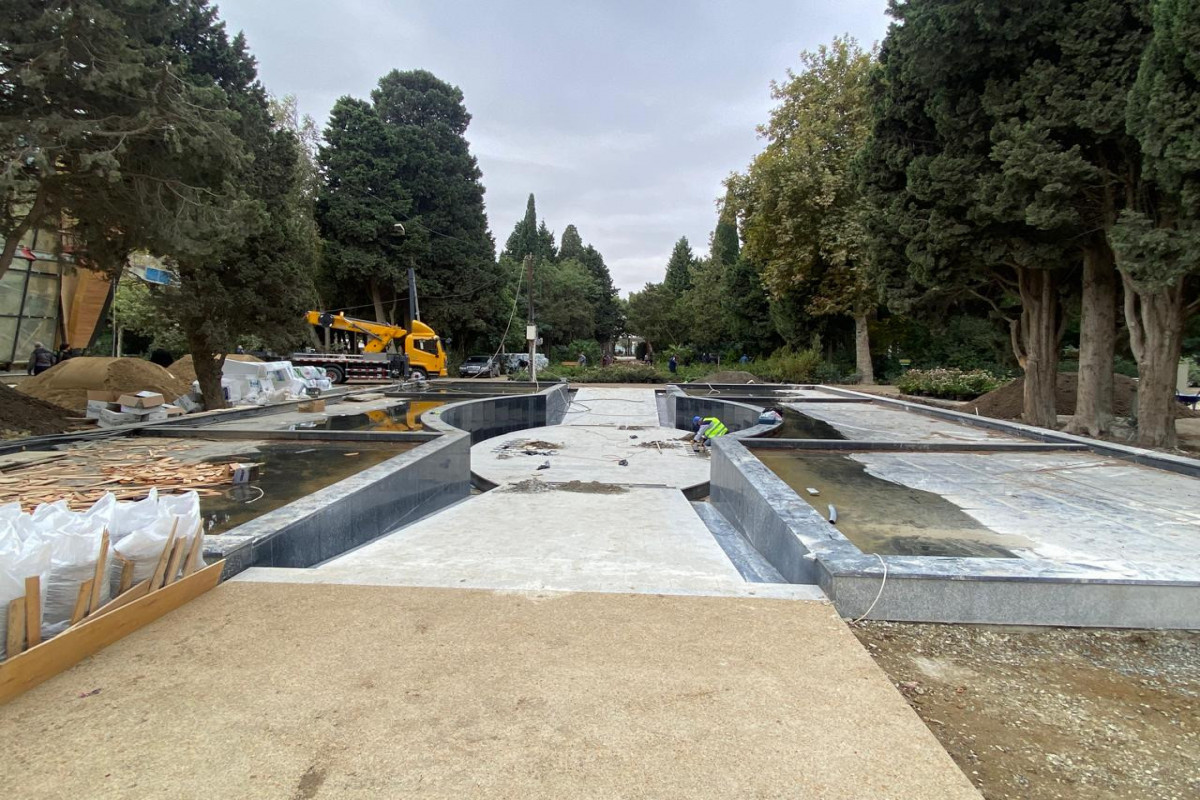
(48, 267)
(8, 338)
(41, 297)
(12, 286)
(34, 330)
(426, 345)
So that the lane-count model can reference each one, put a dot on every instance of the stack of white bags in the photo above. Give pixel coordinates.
(61, 547)
(262, 383)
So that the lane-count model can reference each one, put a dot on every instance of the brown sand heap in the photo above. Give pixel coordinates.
(183, 368)
(730, 376)
(21, 415)
(68, 383)
(1008, 401)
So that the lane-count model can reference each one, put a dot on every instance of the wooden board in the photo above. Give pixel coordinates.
(21, 673)
(15, 640)
(33, 610)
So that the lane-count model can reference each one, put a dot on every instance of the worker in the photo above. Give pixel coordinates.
(582, 360)
(707, 429)
(672, 364)
(771, 416)
(40, 359)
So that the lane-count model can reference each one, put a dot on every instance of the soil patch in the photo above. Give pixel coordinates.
(590, 487)
(730, 376)
(68, 383)
(22, 415)
(1042, 713)
(1008, 401)
(186, 370)
(657, 444)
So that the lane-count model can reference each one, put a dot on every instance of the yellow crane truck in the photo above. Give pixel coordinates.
(359, 349)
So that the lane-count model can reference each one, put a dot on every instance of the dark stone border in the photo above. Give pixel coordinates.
(805, 548)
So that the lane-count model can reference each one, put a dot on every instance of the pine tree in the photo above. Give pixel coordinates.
(679, 268)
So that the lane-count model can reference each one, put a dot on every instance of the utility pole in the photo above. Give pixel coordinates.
(531, 328)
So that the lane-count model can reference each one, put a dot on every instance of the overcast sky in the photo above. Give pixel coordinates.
(621, 117)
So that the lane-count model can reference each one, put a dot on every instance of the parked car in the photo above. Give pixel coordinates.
(478, 367)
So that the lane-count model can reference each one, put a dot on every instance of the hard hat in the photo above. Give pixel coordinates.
(695, 420)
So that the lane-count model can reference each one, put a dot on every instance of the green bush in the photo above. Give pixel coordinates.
(620, 373)
(786, 366)
(948, 384)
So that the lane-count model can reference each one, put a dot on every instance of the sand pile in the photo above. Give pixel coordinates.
(1008, 401)
(184, 369)
(730, 376)
(21, 415)
(68, 383)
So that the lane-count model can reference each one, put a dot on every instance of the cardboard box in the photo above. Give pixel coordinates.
(173, 410)
(99, 400)
(111, 419)
(141, 400)
(190, 403)
(311, 407)
(155, 415)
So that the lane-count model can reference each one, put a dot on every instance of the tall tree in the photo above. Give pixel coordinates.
(447, 239)
(802, 202)
(571, 244)
(655, 314)
(1157, 238)
(725, 245)
(100, 122)
(679, 268)
(362, 201)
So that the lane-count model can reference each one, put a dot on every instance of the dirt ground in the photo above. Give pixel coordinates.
(1007, 402)
(1054, 713)
(21, 416)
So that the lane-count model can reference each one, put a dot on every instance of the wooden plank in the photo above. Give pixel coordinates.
(99, 576)
(33, 610)
(135, 592)
(195, 551)
(82, 601)
(173, 564)
(14, 642)
(23, 672)
(160, 569)
(126, 577)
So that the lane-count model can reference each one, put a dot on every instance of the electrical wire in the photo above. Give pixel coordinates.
(878, 594)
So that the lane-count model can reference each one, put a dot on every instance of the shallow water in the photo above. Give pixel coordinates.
(401, 418)
(883, 517)
(288, 472)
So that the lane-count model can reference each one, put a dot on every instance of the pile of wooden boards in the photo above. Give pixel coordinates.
(81, 477)
(179, 558)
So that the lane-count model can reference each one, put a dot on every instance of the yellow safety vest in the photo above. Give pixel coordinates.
(717, 427)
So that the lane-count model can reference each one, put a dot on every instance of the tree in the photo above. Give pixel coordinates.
(934, 179)
(655, 315)
(1157, 237)
(565, 310)
(726, 248)
(606, 307)
(100, 121)
(571, 245)
(679, 268)
(523, 241)
(361, 200)
(801, 200)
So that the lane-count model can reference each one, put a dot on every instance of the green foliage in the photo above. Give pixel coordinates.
(786, 365)
(949, 384)
(655, 315)
(620, 373)
(138, 312)
(679, 268)
(589, 347)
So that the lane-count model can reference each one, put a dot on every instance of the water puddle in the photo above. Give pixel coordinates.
(797, 425)
(401, 418)
(288, 472)
(883, 517)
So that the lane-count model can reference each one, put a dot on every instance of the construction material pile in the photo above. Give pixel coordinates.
(67, 384)
(67, 552)
(22, 415)
(127, 469)
(185, 369)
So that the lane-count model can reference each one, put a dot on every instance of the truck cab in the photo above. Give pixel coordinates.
(425, 352)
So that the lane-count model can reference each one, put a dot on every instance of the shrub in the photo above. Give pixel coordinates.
(786, 366)
(948, 384)
(621, 373)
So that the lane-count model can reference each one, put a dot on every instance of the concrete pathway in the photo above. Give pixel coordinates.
(613, 407)
(865, 422)
(293, 691)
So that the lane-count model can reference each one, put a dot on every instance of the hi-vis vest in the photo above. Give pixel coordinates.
(717, 427)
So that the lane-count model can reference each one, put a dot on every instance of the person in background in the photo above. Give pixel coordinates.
(582, 360)
(745, 359)
(707, 429)
(40, 359)
(672, 364)
(64, 352)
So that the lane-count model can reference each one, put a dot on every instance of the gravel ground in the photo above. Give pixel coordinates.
(1039, 713)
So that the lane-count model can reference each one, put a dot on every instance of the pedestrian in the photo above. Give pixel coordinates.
(745, 359)
(64, 352)
(582, 360)
(672, 364)
(707, 429)
(40, 359)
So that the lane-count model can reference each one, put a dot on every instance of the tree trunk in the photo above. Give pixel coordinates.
(1035, 341)
(862, 348)
(377, 299)
(1155, 319)
(34, 218)
(208, 367)
(1097, 341)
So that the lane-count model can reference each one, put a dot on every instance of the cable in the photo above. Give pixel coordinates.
(878, 594)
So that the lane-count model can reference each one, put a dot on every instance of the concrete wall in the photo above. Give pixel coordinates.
(805, 548)
(350, 512)
(493, 416)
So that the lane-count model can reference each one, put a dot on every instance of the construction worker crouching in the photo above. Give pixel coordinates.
(707, 429)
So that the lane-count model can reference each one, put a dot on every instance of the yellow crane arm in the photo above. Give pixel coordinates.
(379, 334)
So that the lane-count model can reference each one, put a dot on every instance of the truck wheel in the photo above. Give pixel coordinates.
(418, 374)
(335, 374)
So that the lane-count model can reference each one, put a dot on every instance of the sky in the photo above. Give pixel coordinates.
(622, 118)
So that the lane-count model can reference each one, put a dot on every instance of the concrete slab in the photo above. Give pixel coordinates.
(641, 540)
(652, 456)
(865, 422)
(257, 690)
(599, 406)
